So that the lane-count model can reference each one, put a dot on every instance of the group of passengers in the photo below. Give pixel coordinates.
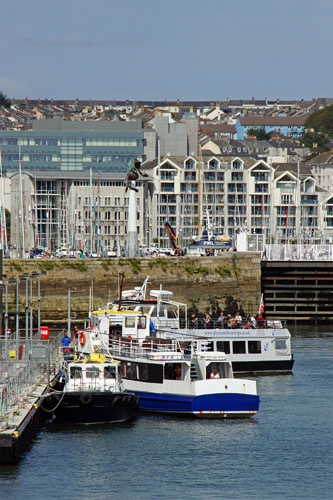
(225, 321)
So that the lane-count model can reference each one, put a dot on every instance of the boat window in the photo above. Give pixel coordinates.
(155, 373)
(143, 372)
(171, 313)
(223, 346)
(214, 366)
(207, 345)
(280, 344)
(130, 322)
(76, 372)
(238, 347)
(92, 372)
(254, 346)
(173, 371)
(129, 370)
(109, 372)
(142, 322)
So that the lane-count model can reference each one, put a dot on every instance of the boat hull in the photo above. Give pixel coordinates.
(203, 406)
(267, 366)
(96, 407)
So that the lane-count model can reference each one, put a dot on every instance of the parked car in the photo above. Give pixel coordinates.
(63, 253)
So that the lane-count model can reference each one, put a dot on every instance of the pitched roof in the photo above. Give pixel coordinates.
(273, 120)
(324, 159)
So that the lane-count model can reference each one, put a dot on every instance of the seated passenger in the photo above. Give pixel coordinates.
(215, 374)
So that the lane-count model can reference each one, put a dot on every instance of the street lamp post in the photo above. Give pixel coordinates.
(35, 275)
(14, 281)
(24, 277)
(4, 285)
(69, 311)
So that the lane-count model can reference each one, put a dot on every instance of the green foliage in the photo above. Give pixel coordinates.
(106, 264)
(77, 265)
(223, 270)
(321, 121)
(318, 129)
(190, 269)
(133, 262)
(236, 271)
(16, 265)
(159, 261)
(259, 133)
(135, 265)
(46, 265)
(4, 101)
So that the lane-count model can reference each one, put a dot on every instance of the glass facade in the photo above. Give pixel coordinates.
(63, 151)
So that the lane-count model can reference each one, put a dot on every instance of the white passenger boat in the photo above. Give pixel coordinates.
(171, 377)
(93, 392)
(265, 349)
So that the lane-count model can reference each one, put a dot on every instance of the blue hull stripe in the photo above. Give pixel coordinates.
(199, 405)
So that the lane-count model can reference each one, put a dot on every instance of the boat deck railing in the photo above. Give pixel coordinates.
(214, 324)
(159, 348)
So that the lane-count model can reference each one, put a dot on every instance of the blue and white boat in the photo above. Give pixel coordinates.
(169, 376)
(264, 349)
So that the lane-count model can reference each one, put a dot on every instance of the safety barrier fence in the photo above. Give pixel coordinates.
(297, 252)
(33, 362)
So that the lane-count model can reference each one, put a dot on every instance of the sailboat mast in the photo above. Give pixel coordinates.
(91, 210)
(199, 192)
(21, 205)
(3, 211)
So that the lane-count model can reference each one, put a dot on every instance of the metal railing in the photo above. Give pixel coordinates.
(297, 252)
(19, 375)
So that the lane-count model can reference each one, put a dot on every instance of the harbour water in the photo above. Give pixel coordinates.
(284, 452)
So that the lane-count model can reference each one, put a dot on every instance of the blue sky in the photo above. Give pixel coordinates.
(166, 49)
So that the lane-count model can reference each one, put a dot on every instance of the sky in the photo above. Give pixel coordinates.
(166, 49)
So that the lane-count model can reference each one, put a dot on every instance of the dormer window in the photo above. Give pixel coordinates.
(213, 164)
(237, 165)
(189, 164)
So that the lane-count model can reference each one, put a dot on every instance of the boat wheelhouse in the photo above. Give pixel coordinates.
(93, 392)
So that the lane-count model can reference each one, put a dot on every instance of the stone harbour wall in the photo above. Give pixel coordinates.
(203, 282)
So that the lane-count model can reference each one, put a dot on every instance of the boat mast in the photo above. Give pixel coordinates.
(21, 206)
(4, 245)
(91, 209)
(199, 192)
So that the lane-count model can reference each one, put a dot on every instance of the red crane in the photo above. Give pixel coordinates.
(172, 237)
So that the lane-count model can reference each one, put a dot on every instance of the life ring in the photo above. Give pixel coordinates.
(82, 338)
(86, 399)
(178, 370)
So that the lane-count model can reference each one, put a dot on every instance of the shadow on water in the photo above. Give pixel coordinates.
(56, 426)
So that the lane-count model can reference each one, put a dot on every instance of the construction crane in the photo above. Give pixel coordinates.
(172, 236)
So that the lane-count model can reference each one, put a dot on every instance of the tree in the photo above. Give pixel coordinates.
(259, 134)
(318, 130)
(4, 101)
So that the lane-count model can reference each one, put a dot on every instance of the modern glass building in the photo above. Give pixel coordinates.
(61, 145)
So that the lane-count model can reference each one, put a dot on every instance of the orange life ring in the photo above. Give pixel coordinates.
(178, 370)
(82, 338)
